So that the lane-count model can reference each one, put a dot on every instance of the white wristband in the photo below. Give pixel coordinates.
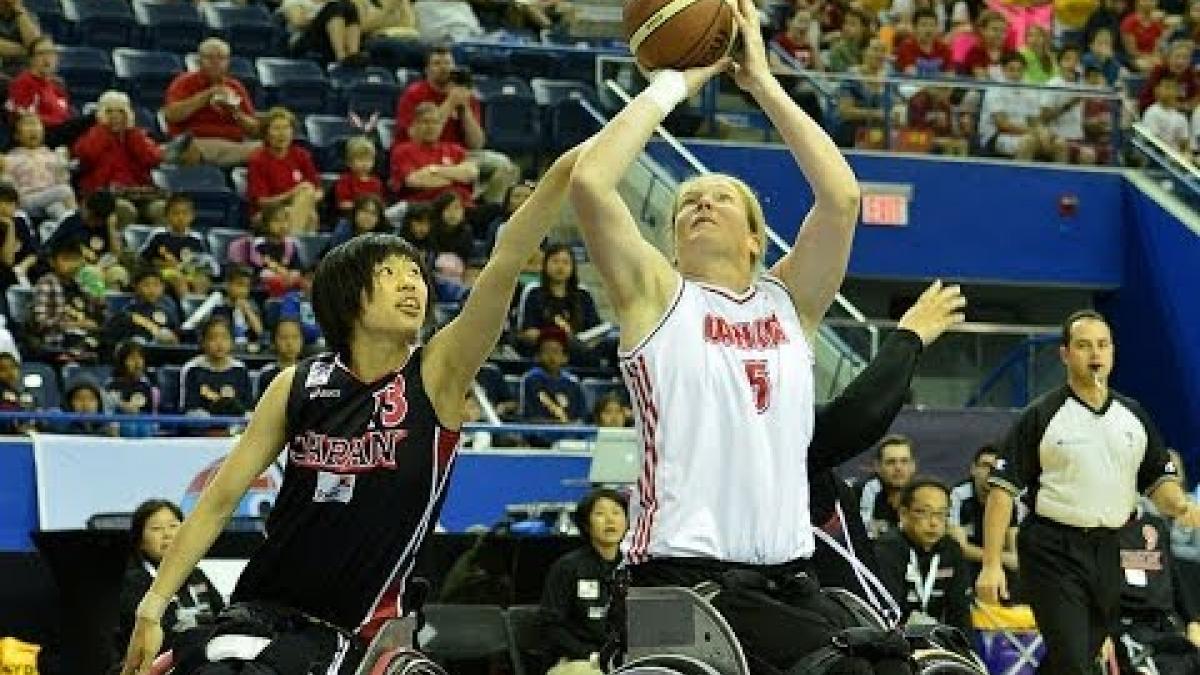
(152, 607)
(667, 89)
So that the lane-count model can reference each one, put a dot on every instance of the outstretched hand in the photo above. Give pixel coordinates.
(938, 309)
(750, 67)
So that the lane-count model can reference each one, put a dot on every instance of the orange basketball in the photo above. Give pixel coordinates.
(678, 34)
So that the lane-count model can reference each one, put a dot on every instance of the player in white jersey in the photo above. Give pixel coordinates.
(719, 360)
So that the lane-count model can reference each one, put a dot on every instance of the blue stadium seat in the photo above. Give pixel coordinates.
(492, 380)
(168, 387)
(117, 301)
(185, 178)
(509, 85)
(249, 29)
(535, 62)
(41, 381)
(53, 20)
(564, 118)
(393, 53)
(343, 76)
(19, 300)
(219, 239)
(387, 133)
(406, 76)
(73, 372)
(511, 119)
(216, 204)
(145, 75)
(366, 98)
(483, 58)
(148, 120)
(297, 84)
(88, 72)
(594, 389)
(170, 26)
(327, 135)
(135, 236)
(310, 246)
(103, 23)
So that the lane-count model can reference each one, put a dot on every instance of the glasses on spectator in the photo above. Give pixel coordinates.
(926, 514)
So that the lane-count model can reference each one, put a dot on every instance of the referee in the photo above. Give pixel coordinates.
(1080, 454)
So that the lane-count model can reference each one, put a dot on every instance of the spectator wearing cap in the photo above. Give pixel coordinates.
(549, 393)
(214, 108)
(574, 607)
(282, 173)
(152, 316)
(448, 89)
(425, 166)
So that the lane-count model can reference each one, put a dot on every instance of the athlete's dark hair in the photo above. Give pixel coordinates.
(583, 510)
(345, 279)
(143, 513)
(893, 439)
(1069, 324)
(910, 492)
(987, 449)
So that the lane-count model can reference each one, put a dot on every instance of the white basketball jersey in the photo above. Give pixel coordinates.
(723, 400)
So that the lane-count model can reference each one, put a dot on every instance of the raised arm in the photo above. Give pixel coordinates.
(639, 279)
(814, 269)
(253, 453)
(456, 352)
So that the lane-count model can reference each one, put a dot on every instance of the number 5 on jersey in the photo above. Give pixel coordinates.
(760, 383)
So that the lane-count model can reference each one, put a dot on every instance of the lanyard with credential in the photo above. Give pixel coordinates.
(184, 590)
(923, 585)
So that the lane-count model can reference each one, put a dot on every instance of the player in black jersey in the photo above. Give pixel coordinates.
(368, 433)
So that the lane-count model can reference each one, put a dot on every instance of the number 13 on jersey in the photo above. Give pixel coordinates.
(759, 376)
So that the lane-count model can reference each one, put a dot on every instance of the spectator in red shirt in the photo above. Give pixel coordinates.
(924, 54)
(359, 178)
(40, 91)
(117, 156)
(459, 107)
(214, 107)
(983, 60)
(797, 42)
(282, 172)
(424, 167)
(1178, 64)
(1140, 33)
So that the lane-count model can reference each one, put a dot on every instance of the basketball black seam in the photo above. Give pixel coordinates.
(704, 34)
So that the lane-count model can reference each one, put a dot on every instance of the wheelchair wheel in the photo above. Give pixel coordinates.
(859, 612)
(940, 662)
(666, 664)
(406, 662)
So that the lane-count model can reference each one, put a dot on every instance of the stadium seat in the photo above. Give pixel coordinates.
(145, 75)
(527, 62)
(455, 633)
(183, 179)
(215, 203)
(168, 387)
(239, 176)
(394, 53)
(241, 69)
(594, 389)
(20, 300)
(41, 381)
(219, 239)
(527, 643)
(511, 119)
(310, 246)
(564, 118)
(327, 135)
(296, 84)
(170, 26)
(53, 20)
(88, 72)
(103, 23)
(149, 120)
(387, 133)
(406, 76)
(492, 380)
(72, 372)
(366, 98)
(135, 236)
(483, 58)
(248, 29)
(117, 301)
(343, 76)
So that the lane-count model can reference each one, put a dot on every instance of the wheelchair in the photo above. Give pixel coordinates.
(677, 631)
(391, 652)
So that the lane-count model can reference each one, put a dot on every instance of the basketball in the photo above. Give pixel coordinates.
(678, 34)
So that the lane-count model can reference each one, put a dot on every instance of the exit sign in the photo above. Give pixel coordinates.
(885, 205)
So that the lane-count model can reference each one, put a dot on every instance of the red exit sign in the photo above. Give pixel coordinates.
(889, 208)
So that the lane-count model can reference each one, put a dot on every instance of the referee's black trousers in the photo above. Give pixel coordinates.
(1072, 580)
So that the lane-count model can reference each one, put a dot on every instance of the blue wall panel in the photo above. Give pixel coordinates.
(18, 495)
(981, 222)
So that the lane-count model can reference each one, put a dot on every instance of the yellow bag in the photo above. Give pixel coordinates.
(17, 657)
(986, 616)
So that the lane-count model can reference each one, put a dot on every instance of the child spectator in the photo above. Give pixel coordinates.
(359, 178)
(274, 254)
(924, 54)
(130, 390)
(558, 304)
(610, 411)
(418, 228)
(983, 60)
(214, 381)
(288, 341)
(1140, 32)
(84, 396)
(1041, 64)
(550, 394)
(514, 197)
(366, 215)
(282, 173)
(1178, 64)
(1010, 123)
(1097, 116)
(452, 234)
(13, 396)
(95, 231)
(41, 175)
(931, 109)
(62, 317)
(18, 241)
(1102, 55)
(797, 42)
(1164, 118)
(180, 254)
(240, 310)
(847, 51)
(860, 101)
(151, 316)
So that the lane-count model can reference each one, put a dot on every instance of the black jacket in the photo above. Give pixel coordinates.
(574, 607)
(198, 598)
(949, 602)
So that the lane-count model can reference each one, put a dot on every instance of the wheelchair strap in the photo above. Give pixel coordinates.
(866, 578)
